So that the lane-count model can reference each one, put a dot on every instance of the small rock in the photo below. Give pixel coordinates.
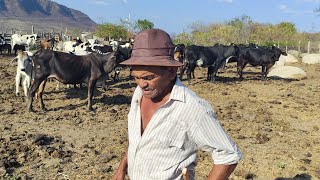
(306, 161)
(262, 138)
(3, 171)
(308, 154)
(241, 137)
(302, 168)
(316, 128)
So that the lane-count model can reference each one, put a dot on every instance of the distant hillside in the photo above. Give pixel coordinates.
(44, 15)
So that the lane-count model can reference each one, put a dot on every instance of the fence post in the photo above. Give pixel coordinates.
(319, 48)
(278, 44)
(308, 47)
(286, 46)
(32, 29)
(299, 48)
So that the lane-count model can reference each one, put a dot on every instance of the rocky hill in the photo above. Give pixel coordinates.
(44, 15)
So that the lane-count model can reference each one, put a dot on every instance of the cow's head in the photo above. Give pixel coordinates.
(23, 59)
(110, 61)
(277, 53)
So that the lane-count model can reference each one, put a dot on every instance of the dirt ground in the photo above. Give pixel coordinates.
(275, 123)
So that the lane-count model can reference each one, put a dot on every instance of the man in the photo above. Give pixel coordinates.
(167, 122)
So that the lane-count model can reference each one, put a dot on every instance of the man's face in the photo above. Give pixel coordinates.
(153, 80)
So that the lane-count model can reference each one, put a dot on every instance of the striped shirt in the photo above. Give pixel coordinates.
(184, 124)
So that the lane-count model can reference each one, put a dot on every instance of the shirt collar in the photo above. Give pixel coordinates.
(177, 92)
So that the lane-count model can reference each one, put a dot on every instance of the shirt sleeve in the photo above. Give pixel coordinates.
(210, 136)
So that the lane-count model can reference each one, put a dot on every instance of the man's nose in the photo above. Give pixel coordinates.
(142, 83)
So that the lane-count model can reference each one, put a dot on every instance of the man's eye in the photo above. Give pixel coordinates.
(148, 78)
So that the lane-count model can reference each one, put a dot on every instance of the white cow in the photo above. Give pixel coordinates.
(22, 58)
(28, 40)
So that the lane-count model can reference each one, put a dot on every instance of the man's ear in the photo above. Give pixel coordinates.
(173, 71)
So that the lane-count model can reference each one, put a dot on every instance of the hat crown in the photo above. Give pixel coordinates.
(152, 47)
(153, 39)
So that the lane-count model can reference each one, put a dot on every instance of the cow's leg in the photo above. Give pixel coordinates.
(91, 86)
(210, 76)
(32, 91)
(182, 69)
(189, 71)
(40, 93)
(18, 79)
(240, 65)
(193, 74)
(214, 72)
(263, 72)
(268, 67)
(26, 85)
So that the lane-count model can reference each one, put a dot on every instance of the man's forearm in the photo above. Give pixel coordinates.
(221, 171)
(124, 162)
(122, 169)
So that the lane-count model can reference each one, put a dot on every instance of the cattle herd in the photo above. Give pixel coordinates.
(77, 62)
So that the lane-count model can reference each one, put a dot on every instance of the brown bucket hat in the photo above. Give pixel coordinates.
(152, 47)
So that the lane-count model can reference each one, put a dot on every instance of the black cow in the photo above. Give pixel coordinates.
(265, 57)
(17, 47)
(124, 53)
(101, 49)
(5, 47)
(213, 57)
(69, 69)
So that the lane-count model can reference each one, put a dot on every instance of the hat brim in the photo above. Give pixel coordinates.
(152, 61)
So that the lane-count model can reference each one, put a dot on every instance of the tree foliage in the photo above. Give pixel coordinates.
(241, 30)
(108, 30)
(143, 24)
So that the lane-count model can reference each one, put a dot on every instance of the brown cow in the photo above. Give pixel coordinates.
(47, 43)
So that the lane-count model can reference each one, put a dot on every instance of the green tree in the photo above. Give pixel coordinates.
(143, 24)
(242, 27)
(112, 31)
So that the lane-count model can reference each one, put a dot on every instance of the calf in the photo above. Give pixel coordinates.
(5, 47)
(18, 47)
(69, 69)
(265, 57)
(47, 43)
(23, 59)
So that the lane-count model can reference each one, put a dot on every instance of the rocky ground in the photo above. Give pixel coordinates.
(275, 123)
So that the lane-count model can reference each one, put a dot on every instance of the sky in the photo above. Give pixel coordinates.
(177, 16)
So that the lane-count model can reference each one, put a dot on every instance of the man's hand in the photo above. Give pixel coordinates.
(122, 169)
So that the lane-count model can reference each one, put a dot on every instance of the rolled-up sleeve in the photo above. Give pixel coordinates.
(210, 136)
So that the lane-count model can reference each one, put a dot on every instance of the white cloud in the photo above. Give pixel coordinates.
(226, 1)
(285, 9)
(101, 2)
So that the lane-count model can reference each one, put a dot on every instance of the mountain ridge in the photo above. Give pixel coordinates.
(44, 15)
